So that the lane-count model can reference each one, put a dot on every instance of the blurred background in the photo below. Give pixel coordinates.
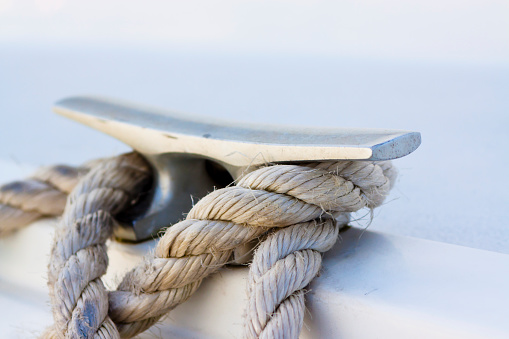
(437, 67)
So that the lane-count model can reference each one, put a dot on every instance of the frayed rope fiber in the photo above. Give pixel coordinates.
(297, 211)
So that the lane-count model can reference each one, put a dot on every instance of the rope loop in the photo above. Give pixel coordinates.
(294, 212)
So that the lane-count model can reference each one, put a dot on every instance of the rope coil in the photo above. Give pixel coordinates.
(297, 209)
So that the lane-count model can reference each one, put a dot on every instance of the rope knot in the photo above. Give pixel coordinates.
(293, 211)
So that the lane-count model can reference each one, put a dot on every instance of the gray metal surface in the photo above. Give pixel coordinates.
(192, 156)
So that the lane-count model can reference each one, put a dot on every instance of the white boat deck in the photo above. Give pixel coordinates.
(372, 285)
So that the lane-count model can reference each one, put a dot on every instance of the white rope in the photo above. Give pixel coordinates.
(292, 207)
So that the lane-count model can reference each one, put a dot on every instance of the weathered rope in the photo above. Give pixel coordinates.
(286, 262)
(42, 195)
(304, 197)
(78, 257)
(282, 267)
(275, 196)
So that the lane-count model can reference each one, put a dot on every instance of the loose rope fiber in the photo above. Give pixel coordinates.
(296, 209)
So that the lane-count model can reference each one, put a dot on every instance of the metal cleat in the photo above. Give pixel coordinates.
(192, 155)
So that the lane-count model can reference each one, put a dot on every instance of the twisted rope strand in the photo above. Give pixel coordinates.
(290, 258)
(182, 259)
(42, 195)
(300, 200)
(79, 258)
(282, 267)
(275, 196)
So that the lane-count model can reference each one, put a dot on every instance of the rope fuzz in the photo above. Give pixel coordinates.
(78, 257)
(282, 267)
(295, 211)
(279, 196)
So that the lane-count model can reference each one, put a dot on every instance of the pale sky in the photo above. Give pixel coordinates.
(468, 30)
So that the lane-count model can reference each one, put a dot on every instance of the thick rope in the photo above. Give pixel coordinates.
(290, 258)
(276, 196)
(78, 257)
(282, 267)
(306, 196)
(42, 195)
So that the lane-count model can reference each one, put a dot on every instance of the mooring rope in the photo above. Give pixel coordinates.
(44, 194)
(295, 210)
